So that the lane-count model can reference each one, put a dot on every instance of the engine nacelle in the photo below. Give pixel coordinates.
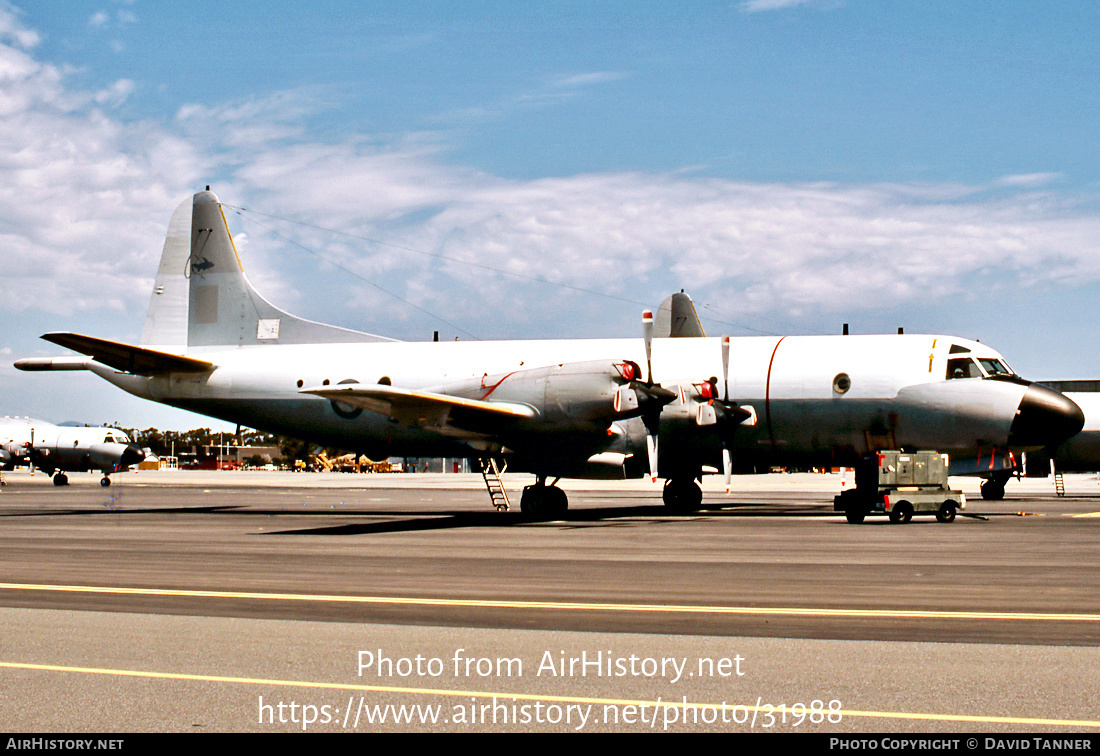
(573, 396)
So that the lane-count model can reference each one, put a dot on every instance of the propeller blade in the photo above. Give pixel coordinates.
(651, 445)
(647, 336)
(652, 416)
(726, 368)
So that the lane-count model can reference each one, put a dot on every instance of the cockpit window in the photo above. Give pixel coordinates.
(994, 367)
(963, 367)
(967, 367)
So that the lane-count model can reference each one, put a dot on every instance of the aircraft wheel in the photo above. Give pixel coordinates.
(527, 504)
(854, 516)
(559, 502)
(543, 502)
(105, 482)
(61, 479)
(993, 490)
(902, 513)
(682, 495)
(946, 512)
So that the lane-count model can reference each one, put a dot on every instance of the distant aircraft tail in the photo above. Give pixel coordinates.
(202, 298)
(676, 318)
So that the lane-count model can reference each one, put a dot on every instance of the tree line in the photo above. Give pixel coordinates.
(166, 443)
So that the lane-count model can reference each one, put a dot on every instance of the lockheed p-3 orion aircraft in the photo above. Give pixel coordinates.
(576, 408)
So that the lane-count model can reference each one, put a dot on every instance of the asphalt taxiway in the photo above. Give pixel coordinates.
(180, 601)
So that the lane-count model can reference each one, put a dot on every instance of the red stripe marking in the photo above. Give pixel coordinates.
(495, 385)
(768, 392)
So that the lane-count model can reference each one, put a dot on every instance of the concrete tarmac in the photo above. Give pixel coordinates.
(190, 601)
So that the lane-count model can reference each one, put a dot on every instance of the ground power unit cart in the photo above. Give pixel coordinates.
(901, 484)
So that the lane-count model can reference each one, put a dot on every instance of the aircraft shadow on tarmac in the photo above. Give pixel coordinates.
(617, 516)
(119, 509)
(406, 521)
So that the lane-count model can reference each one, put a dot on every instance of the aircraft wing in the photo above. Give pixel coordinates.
(120, 356)
(449, 415)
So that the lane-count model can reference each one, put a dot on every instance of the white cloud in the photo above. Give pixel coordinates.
(11, 29)
(115, 94)
(82, 193)
(791, 249)
(554, 90)
(756, 6)
(1027, 180)
(86, 196)
(101, 19)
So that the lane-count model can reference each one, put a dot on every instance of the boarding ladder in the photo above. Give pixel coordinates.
(1059, 484)
(491, 472)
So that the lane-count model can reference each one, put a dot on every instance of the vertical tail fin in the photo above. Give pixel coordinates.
(166, 323)
(676, 318)
(202, 297)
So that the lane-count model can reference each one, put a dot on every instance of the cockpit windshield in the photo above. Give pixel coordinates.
(963, 367)
(994, 367)
(968, 367)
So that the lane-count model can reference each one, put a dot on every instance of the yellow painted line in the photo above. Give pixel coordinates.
(564, 605)
(757, 707)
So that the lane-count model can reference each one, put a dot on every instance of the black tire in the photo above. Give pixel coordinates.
(854, 516)
(946, 512)
(543, 502)
(901, 513)
(558, 502)
(61, 479)
(682, 495)
(993, 490)
(529, 500)
(105, 482)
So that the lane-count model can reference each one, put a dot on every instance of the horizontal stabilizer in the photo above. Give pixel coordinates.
(450, 415)
(128, 358)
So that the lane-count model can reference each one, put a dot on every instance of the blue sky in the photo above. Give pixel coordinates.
(793, 165)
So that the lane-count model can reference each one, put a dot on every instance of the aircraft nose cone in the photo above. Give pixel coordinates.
(1045, 418)
(133, 455)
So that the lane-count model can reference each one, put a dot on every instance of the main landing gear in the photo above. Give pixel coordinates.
(993, 489)
(61, 479)
(682, 495)
(543, 502)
